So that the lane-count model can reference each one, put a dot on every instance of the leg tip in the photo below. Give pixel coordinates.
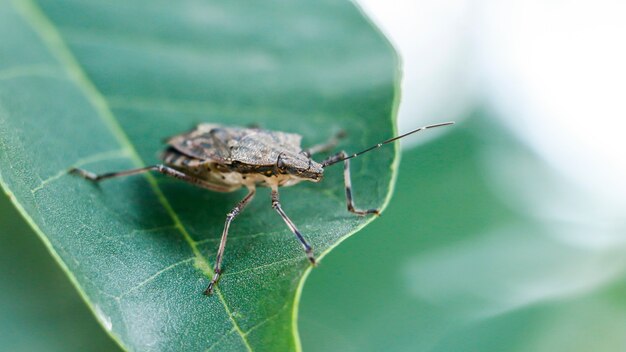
(209, 290)
(364, 212)
(311, 258)
(213, 283)
(76, 171)
(83, 173)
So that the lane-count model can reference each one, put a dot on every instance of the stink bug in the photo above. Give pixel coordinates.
(224, 159)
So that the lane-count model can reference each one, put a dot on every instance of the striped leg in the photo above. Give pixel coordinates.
(220, 252)
(165, 170)
(348, 182)
(276, 205)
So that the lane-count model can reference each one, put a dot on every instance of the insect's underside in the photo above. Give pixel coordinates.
(224, 159)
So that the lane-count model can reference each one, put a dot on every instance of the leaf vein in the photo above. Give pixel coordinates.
(112, 154)
(53, 39)
(216, 343)
(153, 277)
(37, 70)
(268, 319)
(242, 237)
(264, 266)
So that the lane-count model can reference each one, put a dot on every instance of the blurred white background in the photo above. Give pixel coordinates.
(554, 71)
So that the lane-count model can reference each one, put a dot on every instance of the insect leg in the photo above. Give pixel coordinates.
(276, 205)
(168, 171)
(220, 252)
(327, 146)
(348, 182)
(96, 178)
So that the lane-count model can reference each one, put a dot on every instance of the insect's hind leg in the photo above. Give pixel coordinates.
(348, 182)
(96, 178)
(165, 170)
(307, 247)
(217, 269)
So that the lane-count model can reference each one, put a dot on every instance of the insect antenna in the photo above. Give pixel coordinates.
(332, 161)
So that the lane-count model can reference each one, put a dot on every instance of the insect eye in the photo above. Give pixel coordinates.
(279, 162)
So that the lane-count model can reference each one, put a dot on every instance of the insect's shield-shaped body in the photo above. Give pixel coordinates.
(224, 159)
(235, 156)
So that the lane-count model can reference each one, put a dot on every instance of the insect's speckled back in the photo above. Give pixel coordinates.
(228, 144)
(203, 143)
(260, 147)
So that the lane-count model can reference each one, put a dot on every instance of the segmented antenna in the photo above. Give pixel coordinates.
(332, 161)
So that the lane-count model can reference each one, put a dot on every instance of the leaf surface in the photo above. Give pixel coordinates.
(470, 263)
(99, 85)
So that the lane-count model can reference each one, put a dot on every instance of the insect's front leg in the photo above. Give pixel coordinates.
(348, 182)
(276, 205)
(217, 269)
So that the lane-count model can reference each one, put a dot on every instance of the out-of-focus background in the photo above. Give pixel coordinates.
(506, 232)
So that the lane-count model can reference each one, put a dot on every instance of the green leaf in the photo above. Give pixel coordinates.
(34, 293)
(484, 256)
(100, 85)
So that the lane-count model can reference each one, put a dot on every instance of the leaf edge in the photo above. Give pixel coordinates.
(393, 168)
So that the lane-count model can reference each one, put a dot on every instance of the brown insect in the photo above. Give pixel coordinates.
(224, 159)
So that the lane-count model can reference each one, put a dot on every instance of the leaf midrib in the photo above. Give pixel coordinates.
(52, 38)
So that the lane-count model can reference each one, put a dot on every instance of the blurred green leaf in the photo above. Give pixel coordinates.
(39, 309)
(483, 248)
(100, 84)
